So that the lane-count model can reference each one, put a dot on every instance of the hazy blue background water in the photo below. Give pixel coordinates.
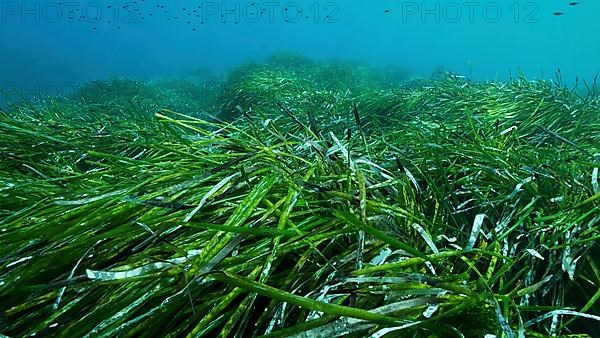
(42, 48)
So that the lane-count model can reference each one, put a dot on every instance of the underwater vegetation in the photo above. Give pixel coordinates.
(322, 201)
(190, 94)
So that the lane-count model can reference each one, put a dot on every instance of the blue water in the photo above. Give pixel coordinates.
(49, 47)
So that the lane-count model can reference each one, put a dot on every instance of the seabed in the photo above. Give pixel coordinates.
(302, 198)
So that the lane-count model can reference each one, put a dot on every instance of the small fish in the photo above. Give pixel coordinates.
(309, 186)
(159, 203)
(387, 11)
(233, 162)
(399, 163)
(558, 13)
(312, 124)
(286, 110)
(356, 114)
(574, 3)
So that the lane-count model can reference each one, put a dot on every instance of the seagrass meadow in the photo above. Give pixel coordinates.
(303, 199)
